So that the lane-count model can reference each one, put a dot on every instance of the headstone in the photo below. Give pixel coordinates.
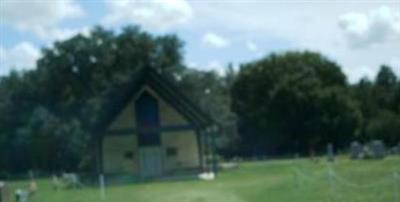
(21, 195)
(355, 150)
(396, 149)
(71, 180)
(4, 194)
(378, 149)
(1, 191)
(330, 153)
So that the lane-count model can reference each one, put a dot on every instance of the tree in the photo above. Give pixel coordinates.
(385, 126)
(18, 97)
(81, 70)
(47, 113)
(295, 101)
(385, 87)
(211, 92)
(397, 98)
(378, 102)
(363, 93)
(386, 78)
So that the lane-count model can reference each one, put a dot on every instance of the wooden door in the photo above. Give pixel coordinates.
(150, 161)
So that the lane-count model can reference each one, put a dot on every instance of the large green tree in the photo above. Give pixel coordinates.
(293, 102)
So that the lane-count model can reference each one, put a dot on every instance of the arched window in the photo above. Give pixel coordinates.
(148, 120)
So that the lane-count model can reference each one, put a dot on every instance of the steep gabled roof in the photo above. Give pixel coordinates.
(164, 86)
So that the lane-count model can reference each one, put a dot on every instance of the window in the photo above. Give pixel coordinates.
(128, 155)
(147, 117)
(172, 151)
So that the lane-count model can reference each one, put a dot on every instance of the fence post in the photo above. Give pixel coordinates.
(331, 183)
(102, 187)
(297, 179)
(396, 187)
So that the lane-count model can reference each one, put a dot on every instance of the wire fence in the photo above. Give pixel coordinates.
(343, 189)
(327, 182)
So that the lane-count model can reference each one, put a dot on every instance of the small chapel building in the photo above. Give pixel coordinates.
(153, 130)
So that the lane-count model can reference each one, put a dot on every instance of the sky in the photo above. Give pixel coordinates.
(358, 35)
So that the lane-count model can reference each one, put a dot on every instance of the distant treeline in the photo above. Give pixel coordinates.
(293, 102)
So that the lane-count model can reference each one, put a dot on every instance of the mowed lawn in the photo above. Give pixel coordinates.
(276, 181)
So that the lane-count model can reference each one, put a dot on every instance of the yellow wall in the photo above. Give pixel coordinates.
(126, 119)
(168, 115)
(115, 146)
(185, 143)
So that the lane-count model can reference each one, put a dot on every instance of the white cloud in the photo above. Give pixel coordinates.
(21, 56)
(216, 66)
(295, 26)
(251, 46)
(150, 14)
(40, 17)
(62, 33)
(192, 65)
(215, 40)
(376, 26)
(358, 72)
(213, 65)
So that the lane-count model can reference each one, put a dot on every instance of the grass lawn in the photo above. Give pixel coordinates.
(275, 181)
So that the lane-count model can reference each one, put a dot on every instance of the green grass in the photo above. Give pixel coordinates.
(269, 181)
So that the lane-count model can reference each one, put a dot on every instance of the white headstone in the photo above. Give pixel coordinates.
(378, 149)
(71, 180)
(355, 150)
(21, 195)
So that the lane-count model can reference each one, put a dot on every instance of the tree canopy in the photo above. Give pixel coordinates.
(293, 101)
(46, 113)
(379, 103)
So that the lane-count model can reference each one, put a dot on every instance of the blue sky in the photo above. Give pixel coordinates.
(359, 35)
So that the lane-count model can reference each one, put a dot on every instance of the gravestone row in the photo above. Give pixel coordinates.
(375, 150)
